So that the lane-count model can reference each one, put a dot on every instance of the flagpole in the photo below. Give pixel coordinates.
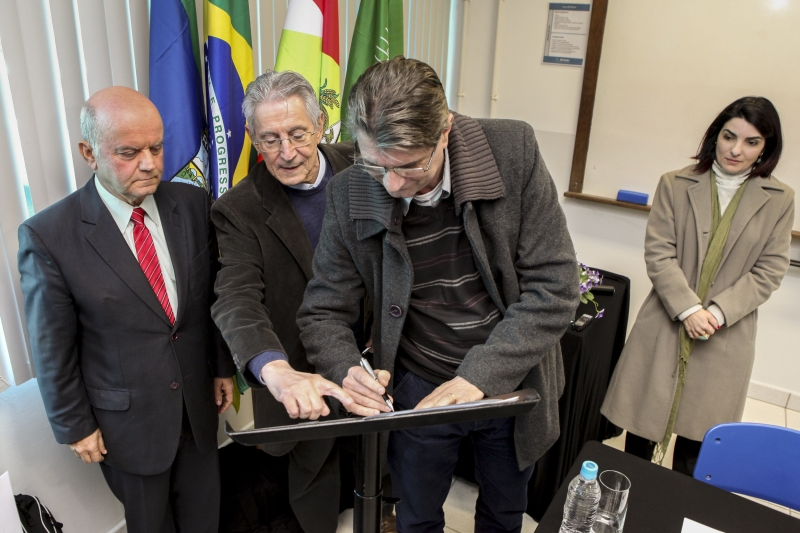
(462, 60)
(496, 62)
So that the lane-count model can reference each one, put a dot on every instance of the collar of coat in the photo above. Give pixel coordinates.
(275, 199)
(282, 218)
(765, 183)
(473, 171)
(755, 196)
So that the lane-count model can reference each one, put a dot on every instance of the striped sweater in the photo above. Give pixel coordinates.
(450, 310)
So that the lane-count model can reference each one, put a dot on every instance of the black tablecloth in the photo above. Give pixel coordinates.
(660, 499)
(589, 359)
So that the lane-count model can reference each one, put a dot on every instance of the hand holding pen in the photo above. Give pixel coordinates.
(366, 366)
(368, 389)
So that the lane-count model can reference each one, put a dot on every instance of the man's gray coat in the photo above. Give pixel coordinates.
(521, 247)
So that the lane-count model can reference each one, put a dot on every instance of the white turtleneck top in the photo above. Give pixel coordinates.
(727, 185)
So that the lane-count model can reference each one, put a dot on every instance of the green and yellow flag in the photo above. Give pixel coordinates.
(310, 46)
(229, 69)
(377, 36)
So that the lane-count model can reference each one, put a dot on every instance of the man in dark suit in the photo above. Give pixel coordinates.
(118, 281)
(268, 227)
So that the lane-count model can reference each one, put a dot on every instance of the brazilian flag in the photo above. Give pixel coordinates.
(229, 69)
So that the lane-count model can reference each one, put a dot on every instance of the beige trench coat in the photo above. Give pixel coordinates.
(754, 261)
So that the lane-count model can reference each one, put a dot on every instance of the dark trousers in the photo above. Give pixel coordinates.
(684, 457)
(184, 499)
(422, 461)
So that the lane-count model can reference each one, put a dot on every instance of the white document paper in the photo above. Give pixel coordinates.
(690, 526)
(448, 407)
(9, 518)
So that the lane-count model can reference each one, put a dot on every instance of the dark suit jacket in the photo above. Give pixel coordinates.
(266, 264)
(105, 353)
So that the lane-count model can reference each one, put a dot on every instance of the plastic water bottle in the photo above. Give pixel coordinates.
(583, 497)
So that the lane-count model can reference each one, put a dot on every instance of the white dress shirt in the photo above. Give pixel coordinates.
(438, 193)
(121, 213)
(323, 166)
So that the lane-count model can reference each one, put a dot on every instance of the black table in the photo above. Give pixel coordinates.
(660, 499)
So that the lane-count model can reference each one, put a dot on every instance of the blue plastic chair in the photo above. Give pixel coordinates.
(753, 459)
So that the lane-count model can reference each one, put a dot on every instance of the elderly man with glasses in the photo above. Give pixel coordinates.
(268, 226)
(452, 228)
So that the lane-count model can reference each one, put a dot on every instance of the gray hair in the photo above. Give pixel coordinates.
(272, 86)
(398, 103)
(93, 125)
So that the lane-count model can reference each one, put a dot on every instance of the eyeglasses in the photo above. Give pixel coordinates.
(380, 172)
(296, 140)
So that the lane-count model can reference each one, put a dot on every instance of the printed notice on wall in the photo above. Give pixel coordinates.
(567, 34)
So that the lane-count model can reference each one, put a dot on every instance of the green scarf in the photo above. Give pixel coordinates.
(720, 226)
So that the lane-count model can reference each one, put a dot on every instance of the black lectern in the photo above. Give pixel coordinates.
(368, 496)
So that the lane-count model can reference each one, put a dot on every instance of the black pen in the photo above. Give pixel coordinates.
(365, 365)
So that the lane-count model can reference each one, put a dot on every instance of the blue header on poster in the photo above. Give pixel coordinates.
(569, 7)
(563, 60)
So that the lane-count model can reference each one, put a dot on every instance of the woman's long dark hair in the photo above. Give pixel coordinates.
(759, 112)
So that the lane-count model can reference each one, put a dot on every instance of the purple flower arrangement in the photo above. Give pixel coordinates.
(589, 278)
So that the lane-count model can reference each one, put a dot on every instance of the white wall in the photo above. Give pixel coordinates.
(548, 96)
(76, 493)
(666, 76)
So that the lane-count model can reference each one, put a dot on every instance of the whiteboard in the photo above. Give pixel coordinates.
(668, 67)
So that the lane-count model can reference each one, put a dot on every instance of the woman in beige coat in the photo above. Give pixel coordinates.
(715, 334)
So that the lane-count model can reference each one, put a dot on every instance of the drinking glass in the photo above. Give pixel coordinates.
(614, 489)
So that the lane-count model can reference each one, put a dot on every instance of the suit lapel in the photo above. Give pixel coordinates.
(700, 200)
(175, 233)
(284, 221)
(105, 238)
(753, 199)
(340, 158)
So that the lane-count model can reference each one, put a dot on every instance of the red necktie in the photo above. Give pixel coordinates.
(148, 260)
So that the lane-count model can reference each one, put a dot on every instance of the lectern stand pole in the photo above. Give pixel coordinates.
(368, 495)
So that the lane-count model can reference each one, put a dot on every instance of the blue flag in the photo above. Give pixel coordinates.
(176, 89)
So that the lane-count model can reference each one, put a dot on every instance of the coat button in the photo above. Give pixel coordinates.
(396, 221)
(174, 336)
(396, 311)
(174, 385)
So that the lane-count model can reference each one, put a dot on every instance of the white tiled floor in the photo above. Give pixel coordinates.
(792, 419)
(459, 508)
(764, 413)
